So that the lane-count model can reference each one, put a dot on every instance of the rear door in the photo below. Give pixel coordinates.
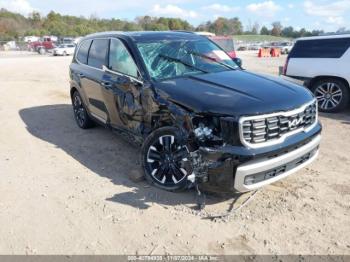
(91, 77)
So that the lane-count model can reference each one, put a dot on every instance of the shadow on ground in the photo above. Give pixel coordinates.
(343, 116)
(104, 153)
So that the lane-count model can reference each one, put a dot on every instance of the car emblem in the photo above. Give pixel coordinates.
(295, 122)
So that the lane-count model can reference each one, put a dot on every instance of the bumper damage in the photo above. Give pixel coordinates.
(257, 173)
(239, 169)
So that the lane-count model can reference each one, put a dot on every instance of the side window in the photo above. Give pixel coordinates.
(325, 48)
(83, 51)
(98, 53)
(120, 60)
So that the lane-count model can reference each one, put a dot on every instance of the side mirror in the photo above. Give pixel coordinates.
(238, 61)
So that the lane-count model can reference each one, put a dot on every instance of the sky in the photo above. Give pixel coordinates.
(310, 14)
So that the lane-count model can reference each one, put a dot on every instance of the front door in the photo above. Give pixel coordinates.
(122, 89)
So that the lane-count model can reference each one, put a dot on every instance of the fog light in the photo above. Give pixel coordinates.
(249, 180)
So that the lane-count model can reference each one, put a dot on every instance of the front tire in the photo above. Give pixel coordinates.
(42, 51)
(165, 160)
(332, 94)
(80, 114)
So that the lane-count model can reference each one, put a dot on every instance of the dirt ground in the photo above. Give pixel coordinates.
(66, 191)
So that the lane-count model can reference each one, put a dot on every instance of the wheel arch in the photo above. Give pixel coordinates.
(317, 78)
(72, 90)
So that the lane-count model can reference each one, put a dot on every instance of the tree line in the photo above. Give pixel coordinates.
(13, 26)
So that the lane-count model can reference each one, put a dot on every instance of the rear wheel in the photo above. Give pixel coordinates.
(165, 160)
(332, 94)
(80, 114)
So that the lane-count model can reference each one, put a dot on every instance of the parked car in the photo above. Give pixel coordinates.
(42, 46)
(64, 49)
(198, 117)
(67, 40)
(285, 47)
(11, 45)
(323, 64)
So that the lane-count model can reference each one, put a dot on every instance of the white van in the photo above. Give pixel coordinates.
(323, 64)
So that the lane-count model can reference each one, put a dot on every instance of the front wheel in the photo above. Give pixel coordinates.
(332, 95)
(165, 160)
(42, 51)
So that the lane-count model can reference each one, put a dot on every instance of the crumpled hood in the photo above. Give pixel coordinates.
(234, 93)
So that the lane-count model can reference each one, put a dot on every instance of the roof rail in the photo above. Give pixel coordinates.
(183, 31)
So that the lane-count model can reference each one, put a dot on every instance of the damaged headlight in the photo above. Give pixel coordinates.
(206, 129)
(216, 130)
(203, 132)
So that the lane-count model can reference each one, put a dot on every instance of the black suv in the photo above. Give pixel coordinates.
(200, 118)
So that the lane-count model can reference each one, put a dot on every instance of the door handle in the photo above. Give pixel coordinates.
(80, 74)
(107, 85)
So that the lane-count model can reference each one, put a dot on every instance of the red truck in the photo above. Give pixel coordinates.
(42, 46)
(226, 43)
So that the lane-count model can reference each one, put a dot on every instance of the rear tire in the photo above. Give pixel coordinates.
(80, 114)
(332, 94)
(165, 160)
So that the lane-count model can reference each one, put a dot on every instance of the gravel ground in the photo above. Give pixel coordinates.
(67, 191)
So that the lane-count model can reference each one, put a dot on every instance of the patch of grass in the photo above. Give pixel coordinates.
(259, 38)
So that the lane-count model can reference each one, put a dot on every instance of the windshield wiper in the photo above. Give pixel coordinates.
(211, 59)
(182, 62)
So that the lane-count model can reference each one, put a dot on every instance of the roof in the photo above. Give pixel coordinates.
(148, 35)
(324, 37)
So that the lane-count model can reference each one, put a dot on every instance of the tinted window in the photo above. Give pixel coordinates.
(83, 51)
(120, 60)
(320, 48)
(98, 53)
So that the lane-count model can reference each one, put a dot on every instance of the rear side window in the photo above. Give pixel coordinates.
(83, 51)
(98, 53)
(320, 48)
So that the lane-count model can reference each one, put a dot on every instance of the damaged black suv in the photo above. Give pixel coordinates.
(199, 117)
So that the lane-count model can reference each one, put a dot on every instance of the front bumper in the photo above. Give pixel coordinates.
(257, 173)
(240, 169)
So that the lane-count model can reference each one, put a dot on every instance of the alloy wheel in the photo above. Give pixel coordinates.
(166, 160)
(79, 110)
(329, 95)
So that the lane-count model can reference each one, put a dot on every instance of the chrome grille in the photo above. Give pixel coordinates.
(256, 131)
